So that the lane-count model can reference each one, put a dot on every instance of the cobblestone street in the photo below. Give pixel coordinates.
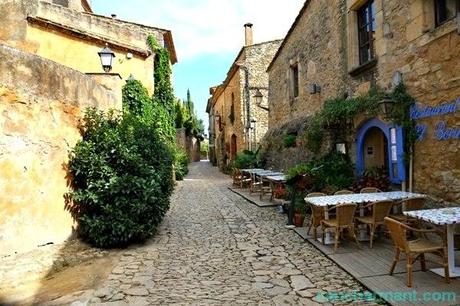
(216, 248)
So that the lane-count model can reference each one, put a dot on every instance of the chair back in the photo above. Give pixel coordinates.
(414, 204)
(317, 213)
(343, 192)
(397, 232)
(346, 214)
(370, 190)
(316, 194)
(380, 210)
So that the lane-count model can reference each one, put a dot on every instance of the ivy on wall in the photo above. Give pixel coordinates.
(163, 96)
(337, 114)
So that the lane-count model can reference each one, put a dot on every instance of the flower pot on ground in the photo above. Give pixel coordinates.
(299, 219)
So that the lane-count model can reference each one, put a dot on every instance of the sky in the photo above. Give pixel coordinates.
(207, 34)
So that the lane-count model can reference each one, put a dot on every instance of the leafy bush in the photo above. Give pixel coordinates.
(333, 171)
(247, 159)
(181, 164)
(289, 140)
(120, 193)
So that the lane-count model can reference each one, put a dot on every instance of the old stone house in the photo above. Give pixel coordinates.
(50, 73)
(238, 108)
(342, 48)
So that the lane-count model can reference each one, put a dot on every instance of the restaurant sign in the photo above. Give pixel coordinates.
(441, 131)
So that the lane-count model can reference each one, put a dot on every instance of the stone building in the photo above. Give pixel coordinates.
(67, 32)
(238, 108)
(342, 48)
(50, 72)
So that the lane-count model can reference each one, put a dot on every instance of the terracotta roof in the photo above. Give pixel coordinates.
(289, 33)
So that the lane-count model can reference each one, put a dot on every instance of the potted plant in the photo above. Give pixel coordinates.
(300, 210)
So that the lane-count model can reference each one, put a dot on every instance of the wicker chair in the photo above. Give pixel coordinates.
(256, 184)
(343, 192)
(380, 210)
(370, 190)
(410, 205)
(415, 249)
(317, 214)
(239, 179)
(345, 214)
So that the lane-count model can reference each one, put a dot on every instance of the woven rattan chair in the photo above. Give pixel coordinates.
(317, 214)
(239, 179)
(343, 192)
(370, 190)
(415, 249)
(380, 210)
(410, 205)
(256, 184)
(345, 215)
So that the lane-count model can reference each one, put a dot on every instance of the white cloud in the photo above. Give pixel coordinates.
(212, 26)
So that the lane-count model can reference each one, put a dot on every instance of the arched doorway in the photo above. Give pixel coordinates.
(233, 147)
(380, 145)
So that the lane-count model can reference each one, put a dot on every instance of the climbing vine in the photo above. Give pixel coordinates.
(163, 97)
(338, 114)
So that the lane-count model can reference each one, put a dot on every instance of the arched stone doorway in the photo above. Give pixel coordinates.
(380, 145)
(233, 147)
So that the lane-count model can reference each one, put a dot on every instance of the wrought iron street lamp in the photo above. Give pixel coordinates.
(386, 106)
(106, 55)
(258, 97)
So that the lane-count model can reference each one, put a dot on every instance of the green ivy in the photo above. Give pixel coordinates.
(338, 114)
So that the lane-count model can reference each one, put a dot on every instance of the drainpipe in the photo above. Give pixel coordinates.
(411, 170)
(247, 101)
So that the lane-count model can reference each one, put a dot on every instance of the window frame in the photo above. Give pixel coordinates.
(437, 21)
(295, 80)
(362, 25)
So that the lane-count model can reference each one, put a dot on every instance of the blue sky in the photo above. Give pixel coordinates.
(208, 34)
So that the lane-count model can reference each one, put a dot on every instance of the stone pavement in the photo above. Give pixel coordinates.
(215, 248)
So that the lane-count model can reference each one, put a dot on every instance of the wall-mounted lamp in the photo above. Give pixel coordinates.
(258, 97)
(397, 78)
(341, 147)
(314, 88)
(107, 57)
(386, 106)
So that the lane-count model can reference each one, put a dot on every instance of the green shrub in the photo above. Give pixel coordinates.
(333, 171)
(247, 159)
(289, 140)
(181, 164)
(121, 175)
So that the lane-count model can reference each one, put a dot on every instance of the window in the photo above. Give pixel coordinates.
(366, 30)
(295, 80)
(445, 10)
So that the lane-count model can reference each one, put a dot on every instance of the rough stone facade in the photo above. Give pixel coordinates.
(233, 107)
(40, 106)
(323, 42)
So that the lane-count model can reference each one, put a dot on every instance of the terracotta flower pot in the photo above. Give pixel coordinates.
(298, 220)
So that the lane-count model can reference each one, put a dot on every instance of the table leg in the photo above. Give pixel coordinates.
(363, 235)
(454, 271)
(328, 240)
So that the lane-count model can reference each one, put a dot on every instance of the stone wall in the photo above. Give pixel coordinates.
(245, 77)
(406, 41)
(41, 103)
(315, 45)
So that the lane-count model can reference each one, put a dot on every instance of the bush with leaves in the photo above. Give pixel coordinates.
(247, 159)
(181, 164)
(121, 179)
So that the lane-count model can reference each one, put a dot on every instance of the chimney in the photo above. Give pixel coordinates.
(248, 34)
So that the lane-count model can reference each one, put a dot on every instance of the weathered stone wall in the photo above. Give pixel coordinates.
(429, 59)
(246, 76)
(315, 45)
(406, 40)
(40, 106)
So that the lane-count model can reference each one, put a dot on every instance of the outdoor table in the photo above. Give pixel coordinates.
(447, 217)
(360, 199)
(278, 179)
